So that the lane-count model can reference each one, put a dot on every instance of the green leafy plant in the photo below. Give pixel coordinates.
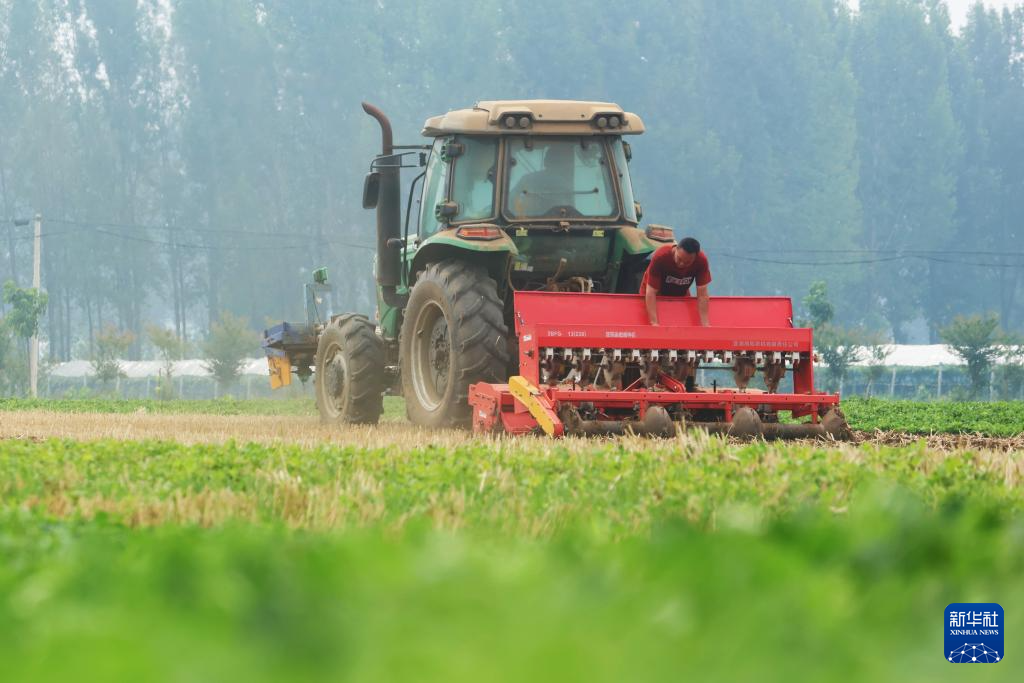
(12, 364)
(170, 348)
(988, 418)
(27, 306)
(838, 347)
(877, 353)
(819, 309)
(281, 562)
(110, 346)
(975, 340)
(229, 342)
(20, 323)
(1011, 372)
(83, 401)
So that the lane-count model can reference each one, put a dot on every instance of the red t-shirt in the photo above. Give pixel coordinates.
(669, 279)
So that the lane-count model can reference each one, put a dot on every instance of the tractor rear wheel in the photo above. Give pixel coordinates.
(453, 335)
(350, 372)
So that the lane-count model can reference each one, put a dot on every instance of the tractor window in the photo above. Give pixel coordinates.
(433, 190)
(556, 177)
(473, 178)
(625, 185)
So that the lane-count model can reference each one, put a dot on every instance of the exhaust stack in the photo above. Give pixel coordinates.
(389, 211)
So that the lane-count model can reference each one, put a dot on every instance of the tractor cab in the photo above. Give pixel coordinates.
(538, 180)
(536, 191)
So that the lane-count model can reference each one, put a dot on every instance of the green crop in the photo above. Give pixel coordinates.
(811, 597)
(222, 406)
(444, 557)
(996, 418)
(531, 487)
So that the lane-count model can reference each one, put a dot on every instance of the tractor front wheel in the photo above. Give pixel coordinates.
(453, 335)
(350, 372)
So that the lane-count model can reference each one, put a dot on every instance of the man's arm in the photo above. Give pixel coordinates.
(702, 304)
(651, 301)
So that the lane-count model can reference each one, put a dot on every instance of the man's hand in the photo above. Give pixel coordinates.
(651, 303)
(702, 304)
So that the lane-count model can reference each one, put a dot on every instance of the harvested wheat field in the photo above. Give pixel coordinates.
(302, 430)
(307, 430)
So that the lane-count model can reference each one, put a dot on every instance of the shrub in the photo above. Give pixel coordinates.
(111, 344)
(877, 351)
(1011, 373)
(976, 341)
(838, 347)
(170, 349)
(226, 347)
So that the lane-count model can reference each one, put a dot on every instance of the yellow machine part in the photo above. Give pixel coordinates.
(528, 396)
(280, 371)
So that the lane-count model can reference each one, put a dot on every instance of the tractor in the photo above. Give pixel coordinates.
(512, 196)
(507, 295)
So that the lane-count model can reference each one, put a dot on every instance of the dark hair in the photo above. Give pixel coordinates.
(689, 245)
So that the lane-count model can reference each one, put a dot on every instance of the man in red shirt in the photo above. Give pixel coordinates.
(672, 270)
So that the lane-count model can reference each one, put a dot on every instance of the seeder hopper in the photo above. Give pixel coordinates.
(591, 364)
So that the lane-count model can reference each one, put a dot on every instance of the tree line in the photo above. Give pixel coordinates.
(191, 159)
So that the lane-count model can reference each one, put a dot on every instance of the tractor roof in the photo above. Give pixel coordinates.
(546, 117)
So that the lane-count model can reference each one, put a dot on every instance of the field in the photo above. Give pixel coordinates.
(242, 540)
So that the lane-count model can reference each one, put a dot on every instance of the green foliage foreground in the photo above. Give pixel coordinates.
(804, 600)
(525, 560)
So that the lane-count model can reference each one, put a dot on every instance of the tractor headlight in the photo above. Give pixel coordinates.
(513, 120)
(610, 120)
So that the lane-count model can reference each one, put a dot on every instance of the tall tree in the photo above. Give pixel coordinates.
(909, 147)
(992, 181)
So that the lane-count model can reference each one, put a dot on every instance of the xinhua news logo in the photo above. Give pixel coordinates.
(974, 633)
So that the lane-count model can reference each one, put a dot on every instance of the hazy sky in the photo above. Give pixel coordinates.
(958, 8)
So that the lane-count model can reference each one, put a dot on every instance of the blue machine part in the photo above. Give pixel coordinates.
(284, 338)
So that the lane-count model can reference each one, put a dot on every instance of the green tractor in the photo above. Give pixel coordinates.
(513, 195)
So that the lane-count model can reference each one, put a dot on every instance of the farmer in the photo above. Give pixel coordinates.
(672, 270)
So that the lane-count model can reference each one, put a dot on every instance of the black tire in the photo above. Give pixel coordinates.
(453, 335)
(350, 372)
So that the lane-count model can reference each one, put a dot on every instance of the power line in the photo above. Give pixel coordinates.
(907, 252)
(885, 256)
(45, 234)
(870, 251)
(171, 228)
(167, 226)
(97, 226)
(896, 257)
(219, 247)
(208, 247)
(805, 263)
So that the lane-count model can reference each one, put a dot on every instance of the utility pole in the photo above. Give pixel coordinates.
(33, 352)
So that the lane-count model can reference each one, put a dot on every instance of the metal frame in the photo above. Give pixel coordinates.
(563, 322)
